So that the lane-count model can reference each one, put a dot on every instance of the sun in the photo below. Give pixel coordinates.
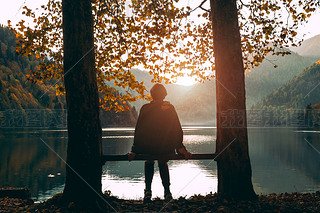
(186, 81)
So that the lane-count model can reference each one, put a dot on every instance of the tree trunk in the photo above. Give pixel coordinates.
(234, 168)
(84, 169)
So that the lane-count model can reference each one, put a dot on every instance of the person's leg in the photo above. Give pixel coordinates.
(148, 174)
(165, 177)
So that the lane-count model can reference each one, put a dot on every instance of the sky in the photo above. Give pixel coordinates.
(312, 28)
(11, 9)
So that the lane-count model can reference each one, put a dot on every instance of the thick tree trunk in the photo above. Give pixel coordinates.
(84, 169)
(234, 168)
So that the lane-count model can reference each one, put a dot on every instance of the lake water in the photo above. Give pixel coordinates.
(283, 160)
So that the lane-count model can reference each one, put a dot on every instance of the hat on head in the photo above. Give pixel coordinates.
(158, 92)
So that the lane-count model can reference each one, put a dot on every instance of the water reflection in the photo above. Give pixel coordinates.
(26, 161)
(283, 160)
(187, 178)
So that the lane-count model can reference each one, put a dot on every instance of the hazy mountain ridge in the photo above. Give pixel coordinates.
(197, 104)
(175, 91)
(262, 80)
(300, 90)
(296, 103)
(194, 104)
(309, 47)
(296, 94)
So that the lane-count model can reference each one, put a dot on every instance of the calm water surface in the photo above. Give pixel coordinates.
(283, 160)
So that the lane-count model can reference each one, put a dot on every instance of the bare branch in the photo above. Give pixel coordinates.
(205, 9)
(200, 6)
(246, 5)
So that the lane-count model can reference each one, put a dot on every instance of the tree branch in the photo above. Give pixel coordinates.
(246, 5)
(200, 6)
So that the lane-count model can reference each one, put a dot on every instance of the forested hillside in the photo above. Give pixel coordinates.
(262, 80)
(16, 92)
(294, 104)
(25, 104)
(304, 89)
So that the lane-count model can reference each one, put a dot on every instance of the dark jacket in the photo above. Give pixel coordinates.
(158, 129)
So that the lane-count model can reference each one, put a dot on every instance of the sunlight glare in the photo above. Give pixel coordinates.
(186, 81)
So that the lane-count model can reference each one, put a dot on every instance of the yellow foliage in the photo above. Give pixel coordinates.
(157, 36)
(60, 90)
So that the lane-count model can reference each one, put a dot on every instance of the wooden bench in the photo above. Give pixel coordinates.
(206, 156)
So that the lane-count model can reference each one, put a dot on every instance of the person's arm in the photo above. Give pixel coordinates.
(132, 154)
(184, 151)
(181, 149)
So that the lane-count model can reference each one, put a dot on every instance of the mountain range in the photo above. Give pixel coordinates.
(197, 104)
(302, 90)
(309, 47)
(194, 104)
(262, 80)
(296, 103)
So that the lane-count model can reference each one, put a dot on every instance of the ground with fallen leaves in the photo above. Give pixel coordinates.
(285, 202)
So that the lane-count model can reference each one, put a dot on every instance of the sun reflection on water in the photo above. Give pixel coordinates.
(198, 139)
(187, 178)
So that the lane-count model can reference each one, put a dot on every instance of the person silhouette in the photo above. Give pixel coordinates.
(158, 132)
